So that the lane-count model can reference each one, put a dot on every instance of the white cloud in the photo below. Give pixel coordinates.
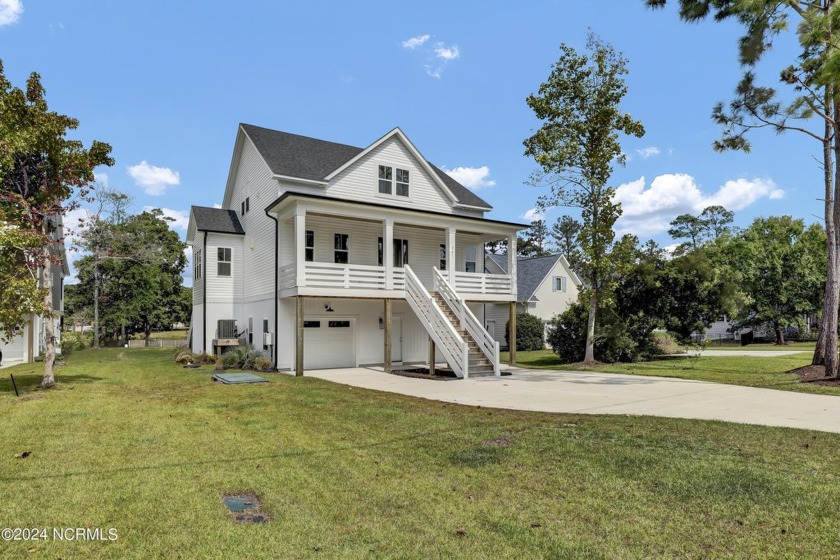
(180, 217)
(10, 11)
(434, 72)
(648, 152)
(446, 53)
(532, 214)
(101, 178)
(152, 178)
(217, 205)
(415, 42)
(473, 178)
(649, 210)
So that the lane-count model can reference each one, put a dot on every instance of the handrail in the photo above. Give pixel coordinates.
(486, 343)
(451, 344)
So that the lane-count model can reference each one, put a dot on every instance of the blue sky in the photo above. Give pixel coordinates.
(165, 83)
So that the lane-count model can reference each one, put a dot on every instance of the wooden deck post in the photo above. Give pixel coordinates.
(387, 364)
(431, 356)
(512, 332)
(299, 336)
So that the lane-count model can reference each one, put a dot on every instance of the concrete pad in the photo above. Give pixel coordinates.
(607, 393)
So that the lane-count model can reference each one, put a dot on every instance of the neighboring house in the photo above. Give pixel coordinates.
(546, 285)
(30, 342)
(327, 255)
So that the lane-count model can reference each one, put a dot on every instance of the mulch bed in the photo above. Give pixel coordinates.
(816, 375)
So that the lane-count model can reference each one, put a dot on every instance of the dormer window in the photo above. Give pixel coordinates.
(386, 181)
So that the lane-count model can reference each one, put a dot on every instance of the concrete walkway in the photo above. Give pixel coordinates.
(607, 393)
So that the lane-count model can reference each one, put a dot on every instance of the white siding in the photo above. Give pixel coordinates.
(551, 302)
(225, 289)
(198, 341)
(254, 180)
(360, 180)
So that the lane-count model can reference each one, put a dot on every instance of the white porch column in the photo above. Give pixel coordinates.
(388, 252)
(451, 265)
(511, 255)
(300, 246)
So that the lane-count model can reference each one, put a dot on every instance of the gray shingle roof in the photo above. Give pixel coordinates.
(309, 158)
(529, 272)
(216, 220)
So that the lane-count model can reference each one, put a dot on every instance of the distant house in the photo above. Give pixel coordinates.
(546, 286)
(325, 255)
(30, 340)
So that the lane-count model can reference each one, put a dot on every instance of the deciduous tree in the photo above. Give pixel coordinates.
(575, 148)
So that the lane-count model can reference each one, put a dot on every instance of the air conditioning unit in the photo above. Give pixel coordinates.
(268, 339)
(227, 328)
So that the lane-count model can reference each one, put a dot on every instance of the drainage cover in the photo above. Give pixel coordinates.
(238, 504)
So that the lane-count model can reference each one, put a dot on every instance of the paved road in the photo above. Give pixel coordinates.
(607, 393)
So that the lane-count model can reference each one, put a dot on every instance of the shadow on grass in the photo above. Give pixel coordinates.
(29, 382)
(290, 454)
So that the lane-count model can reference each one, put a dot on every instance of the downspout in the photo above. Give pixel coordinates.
(204, 295)
(276, 285)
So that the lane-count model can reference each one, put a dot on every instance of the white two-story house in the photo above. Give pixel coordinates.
(327, 255)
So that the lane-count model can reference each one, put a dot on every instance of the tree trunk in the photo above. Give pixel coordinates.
(96, 301)
(590, 327)
(148, 332)
(780, 335)
(48, 380)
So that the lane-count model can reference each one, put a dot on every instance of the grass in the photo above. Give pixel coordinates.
(766, 372)
(131, 441)
(169, 335)
(765, 346)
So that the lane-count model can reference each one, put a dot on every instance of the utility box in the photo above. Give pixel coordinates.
(268, 339)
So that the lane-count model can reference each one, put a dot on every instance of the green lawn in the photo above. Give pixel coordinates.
(130, 441)
(767, 372)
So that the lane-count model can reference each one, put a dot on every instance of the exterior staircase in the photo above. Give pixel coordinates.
(465, 344)
(479, 364)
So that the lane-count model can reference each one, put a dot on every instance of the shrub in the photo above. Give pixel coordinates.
(204, 358)
(185, 358)
(529, 332)
(235, 357)
(220, 364)
(666, 343)
(263, 363)
(250, 358)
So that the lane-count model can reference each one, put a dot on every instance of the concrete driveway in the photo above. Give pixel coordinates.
(607, 393)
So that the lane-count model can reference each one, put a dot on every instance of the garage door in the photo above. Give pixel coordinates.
(329, 343)
(14, 350)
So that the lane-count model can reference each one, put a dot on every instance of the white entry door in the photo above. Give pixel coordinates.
(329, 343)
(396, 338)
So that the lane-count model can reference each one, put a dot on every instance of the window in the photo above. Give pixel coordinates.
(341, 248)
(312, 324)
(402, 182)
(559, 284)
(310, 246)
(400, 252)
(385, 177)
(224, 262)
(251, 331)
(339, 324)
(442, 257)
(242, 212)
(197, 263)
(265, 330)
(246, 205)
(469, 259)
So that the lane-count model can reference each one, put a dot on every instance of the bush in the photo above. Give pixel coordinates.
(235, 357)
(529, 332)
(614, 340)
(666, 343)
(204, 358)
(263, 363)
(250, 359)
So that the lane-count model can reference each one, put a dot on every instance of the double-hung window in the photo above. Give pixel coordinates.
(559, 284)
(442, 257)
(310, 246)
(197, 263)
(342, 250)
(386, 178)
(469, 259)
(224, 261)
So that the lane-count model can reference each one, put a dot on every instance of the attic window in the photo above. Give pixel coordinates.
(402, 182)
(385, 179)
(559, 284)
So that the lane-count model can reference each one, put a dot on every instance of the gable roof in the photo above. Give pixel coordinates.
(216, 220)
(292, 155)
(531, 272)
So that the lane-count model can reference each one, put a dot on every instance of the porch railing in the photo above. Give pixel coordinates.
(486, 343)
(472, 283)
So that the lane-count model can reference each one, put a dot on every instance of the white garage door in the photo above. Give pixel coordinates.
(13, 351)
(329, 343)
